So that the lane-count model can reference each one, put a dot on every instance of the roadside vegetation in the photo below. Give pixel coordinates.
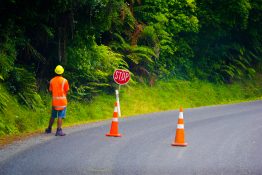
(187, 52)
(134, 99)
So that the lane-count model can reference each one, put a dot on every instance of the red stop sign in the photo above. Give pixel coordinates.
(121, 76)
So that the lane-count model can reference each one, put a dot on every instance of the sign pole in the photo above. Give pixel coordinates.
(118, 102)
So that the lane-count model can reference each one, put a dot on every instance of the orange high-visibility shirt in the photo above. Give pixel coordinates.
(59, 87)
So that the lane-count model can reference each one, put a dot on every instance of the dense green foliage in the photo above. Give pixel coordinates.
(216, 41)
(229, 42)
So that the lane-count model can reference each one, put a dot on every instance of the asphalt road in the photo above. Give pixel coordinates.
(224, 140)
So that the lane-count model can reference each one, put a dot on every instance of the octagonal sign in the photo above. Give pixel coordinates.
(121, 76)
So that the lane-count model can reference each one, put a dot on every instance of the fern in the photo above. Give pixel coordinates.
(145, 12)
(4, 100)
(134, 58)
(7, 57)
(118, 38)
(23, 84)
(144, 50)
(229, 70)
(136, 54)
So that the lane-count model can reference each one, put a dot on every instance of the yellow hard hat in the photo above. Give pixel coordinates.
(59, 70)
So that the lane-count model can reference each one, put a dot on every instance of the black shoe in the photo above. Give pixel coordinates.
(59, 132)
(48, 130)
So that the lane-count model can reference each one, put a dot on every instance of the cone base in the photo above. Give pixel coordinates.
(114, 135)
(179, 144)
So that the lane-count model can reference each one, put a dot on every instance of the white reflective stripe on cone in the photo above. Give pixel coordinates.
(115, 119)
(180, 126)
(180, 115)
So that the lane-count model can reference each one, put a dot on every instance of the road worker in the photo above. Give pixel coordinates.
(59, 87)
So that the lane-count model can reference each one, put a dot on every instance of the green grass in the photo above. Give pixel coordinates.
(134, 100)
(173, 94)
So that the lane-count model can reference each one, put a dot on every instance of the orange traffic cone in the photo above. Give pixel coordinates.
(180, 133)
(114, 125)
